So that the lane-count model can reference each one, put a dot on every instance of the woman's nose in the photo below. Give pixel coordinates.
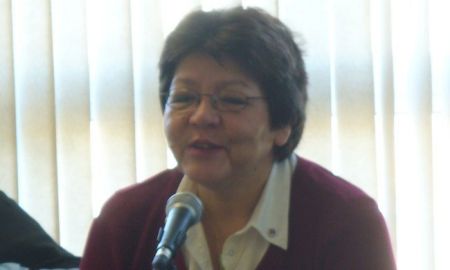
(205, 113)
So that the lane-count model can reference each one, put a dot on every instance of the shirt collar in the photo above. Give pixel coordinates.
(271, 214)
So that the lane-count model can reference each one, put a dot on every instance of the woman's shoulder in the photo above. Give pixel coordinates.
(327, 195)
(322, 183)
(337, 218)
(142, 196)
(333, 203)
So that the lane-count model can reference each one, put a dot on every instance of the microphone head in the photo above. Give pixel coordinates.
(186, 200)
(183, 210)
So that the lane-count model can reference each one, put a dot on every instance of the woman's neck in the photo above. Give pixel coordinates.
(225, 214)
(233, 202)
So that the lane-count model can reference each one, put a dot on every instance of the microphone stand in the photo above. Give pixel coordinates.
(160, 265)
(162, 261)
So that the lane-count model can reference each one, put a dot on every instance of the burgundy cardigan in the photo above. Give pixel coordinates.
(333, 225)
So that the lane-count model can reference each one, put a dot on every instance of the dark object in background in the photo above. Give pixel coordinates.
(24, 241)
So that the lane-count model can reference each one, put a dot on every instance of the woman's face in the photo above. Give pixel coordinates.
(216, 148)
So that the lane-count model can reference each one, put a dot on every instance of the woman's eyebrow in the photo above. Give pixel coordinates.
(190, 83)
(229, 83)
(183, 82)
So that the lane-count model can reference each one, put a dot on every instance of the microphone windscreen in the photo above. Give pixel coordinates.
(186, 200)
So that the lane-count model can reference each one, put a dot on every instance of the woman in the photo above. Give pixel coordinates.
(233, 93)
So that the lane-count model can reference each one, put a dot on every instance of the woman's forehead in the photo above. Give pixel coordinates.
(198, 69)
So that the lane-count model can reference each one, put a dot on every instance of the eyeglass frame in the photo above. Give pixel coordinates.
(214, 98)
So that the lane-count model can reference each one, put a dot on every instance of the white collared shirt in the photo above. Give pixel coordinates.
(267, 225)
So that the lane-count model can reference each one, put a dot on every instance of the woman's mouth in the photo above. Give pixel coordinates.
(203, 145)
(204, 148)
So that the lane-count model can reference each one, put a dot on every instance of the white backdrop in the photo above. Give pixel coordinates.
(80, 118)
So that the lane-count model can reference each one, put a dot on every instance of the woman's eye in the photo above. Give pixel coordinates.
(183, 98)
(234, 100)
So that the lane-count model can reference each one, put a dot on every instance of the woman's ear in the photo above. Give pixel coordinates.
(282, 135)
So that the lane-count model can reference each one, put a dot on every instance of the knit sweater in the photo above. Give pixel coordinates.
(333, 225)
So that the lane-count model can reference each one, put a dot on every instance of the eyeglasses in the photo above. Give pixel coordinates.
(223, 101)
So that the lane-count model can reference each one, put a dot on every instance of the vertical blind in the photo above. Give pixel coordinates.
(80, 118)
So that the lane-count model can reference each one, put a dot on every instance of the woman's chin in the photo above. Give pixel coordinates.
(205, 177)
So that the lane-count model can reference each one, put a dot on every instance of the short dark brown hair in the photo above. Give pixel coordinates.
(260, 44)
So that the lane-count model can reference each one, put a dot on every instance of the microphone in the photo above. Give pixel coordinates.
(183, 210)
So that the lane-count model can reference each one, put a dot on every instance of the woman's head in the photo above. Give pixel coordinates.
(261, 45)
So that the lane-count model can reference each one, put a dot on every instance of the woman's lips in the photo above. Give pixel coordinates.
(204, 148)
